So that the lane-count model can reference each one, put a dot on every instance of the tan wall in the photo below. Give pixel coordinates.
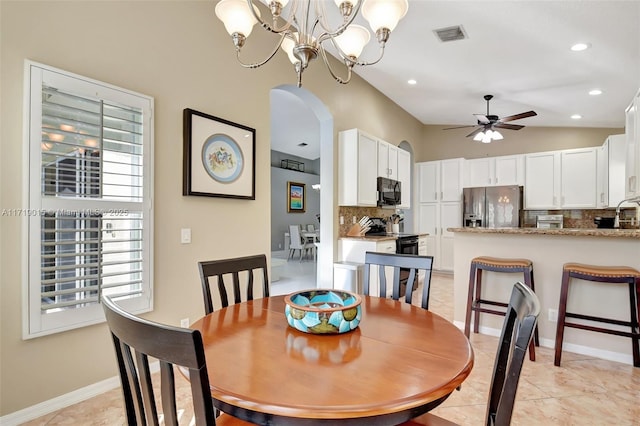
(438, 144)
(179, 53)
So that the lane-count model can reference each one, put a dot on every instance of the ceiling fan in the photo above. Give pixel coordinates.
(488, 123)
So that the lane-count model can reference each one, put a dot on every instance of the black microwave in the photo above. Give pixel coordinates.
(388, 192)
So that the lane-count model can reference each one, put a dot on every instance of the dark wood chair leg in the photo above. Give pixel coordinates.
(562, 310)
(634, 295)
(467, 319)
(478, 296)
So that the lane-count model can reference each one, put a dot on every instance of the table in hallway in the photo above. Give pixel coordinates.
(400, 362)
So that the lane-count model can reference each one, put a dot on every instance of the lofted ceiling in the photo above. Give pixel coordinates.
(518, 51)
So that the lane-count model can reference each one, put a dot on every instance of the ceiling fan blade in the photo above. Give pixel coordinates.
(475, 132)
(508, 126)
(518, 116)
(459, 127)
(482, 119)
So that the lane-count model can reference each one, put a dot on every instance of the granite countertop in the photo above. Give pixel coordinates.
(378, 238)
(581, 232)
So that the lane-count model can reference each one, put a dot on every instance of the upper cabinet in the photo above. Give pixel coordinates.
(561, 179)
(404, 176)
(494, 171)
(387, 160)
(440, 180)
(632, 132)
(357, 176)
(362, 158)
(611, 170)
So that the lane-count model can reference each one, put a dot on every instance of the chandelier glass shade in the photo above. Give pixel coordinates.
(488, 135)
(304, 29)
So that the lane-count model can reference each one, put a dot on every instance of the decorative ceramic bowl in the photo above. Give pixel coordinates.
(323, 311)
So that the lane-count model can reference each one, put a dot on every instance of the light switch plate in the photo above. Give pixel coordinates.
(185, 235)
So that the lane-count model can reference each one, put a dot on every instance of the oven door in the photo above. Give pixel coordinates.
(407, 245)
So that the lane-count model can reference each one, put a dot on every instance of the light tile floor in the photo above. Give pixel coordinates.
(583, 391)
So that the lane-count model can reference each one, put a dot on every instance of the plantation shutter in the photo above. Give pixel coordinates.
(90, 200)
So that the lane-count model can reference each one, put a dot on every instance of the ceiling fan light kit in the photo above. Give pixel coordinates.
(303, 28)
(487, 124)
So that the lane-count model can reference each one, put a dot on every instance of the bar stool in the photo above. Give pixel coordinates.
(474, 297)
(602, 274)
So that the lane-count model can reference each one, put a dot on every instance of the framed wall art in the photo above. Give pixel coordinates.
(296, 202)
(218, 157)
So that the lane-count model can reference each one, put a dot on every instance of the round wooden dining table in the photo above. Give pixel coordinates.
(400, 362)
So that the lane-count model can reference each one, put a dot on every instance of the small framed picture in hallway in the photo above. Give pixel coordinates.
(295, 197)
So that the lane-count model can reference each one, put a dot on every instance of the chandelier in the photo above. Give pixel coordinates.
(304, 29)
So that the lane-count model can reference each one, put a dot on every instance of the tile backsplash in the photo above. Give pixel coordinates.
(572, 218)
(578, 218)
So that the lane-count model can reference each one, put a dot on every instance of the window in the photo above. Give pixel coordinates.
(89, 213)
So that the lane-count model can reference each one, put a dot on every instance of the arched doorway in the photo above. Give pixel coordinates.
(309, 107)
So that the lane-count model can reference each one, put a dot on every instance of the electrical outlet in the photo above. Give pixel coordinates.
(354, 220)
(279, 245)
(553, 315)
(341, 220)
(184, 322)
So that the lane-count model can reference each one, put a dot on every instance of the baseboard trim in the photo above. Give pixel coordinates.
(567, 347)
(59, 402)
(30, 413)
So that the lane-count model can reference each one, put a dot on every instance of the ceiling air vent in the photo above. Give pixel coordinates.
(451, 33)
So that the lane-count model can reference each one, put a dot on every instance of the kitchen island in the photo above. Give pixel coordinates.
(549, 249)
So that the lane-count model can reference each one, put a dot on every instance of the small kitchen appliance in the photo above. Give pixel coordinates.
(549, 221)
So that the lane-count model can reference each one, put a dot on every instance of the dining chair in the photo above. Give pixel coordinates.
(241, 270)
(517, 330)
(135, 341)
(298, 243)
(406, 271)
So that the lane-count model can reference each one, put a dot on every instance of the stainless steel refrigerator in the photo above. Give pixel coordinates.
(493, 206)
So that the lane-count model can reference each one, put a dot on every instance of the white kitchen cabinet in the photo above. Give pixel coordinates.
(578, 178)
(561, 179)
(422, 245)
(434, 219)
(509, 170)
(404, 176)
(440, 180)
(494, 171)
(387, 160)
(542, 180)
(357, 175)
(632, 132)
(611, 171)
(439, 202)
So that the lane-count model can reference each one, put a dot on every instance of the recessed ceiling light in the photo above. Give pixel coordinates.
(595, 92)
(412, 82)
(579, 47)
(576, 116)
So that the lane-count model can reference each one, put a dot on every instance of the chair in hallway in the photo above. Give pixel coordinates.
(138, 338)
(517, 330)
(406, 271)
(298, 243)
(242, 271)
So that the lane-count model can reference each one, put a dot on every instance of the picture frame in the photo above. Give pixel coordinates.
(218, 157)
(296, 197)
